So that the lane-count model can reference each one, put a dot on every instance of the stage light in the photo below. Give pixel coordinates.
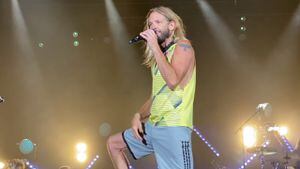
(197, 131)
(75, 34)
(81, 147)
(243, 28)
(2, 165)
(249, 136)
(76, 43)
(92, 162)
(81, 157)
(81, 154)
(41, 44)
(283, 130)
(287, 144)
(29, 165)
(243, 18)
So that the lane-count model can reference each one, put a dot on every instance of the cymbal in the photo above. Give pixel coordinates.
(262, 150)
(292, 156)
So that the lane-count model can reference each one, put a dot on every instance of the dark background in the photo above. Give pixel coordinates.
(59, 94)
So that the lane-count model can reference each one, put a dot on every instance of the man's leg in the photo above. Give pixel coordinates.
(117, 143)
(116, 146)
(172, 147)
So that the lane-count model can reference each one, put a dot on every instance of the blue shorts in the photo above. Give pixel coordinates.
(171, 146)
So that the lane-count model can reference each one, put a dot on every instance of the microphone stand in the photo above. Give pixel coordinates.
(245, 122)
(240, 128)
(263, 107)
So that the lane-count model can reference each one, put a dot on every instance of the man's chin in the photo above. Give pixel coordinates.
(160, 41)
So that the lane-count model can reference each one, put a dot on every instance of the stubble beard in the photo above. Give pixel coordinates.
(164, 35)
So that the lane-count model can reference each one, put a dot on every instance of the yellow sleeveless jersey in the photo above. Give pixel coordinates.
(171, 108)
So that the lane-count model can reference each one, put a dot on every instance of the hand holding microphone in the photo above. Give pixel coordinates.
(136, 39)
(145, 35)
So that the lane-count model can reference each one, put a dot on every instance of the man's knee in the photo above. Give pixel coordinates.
(110, 142)
(115, 143)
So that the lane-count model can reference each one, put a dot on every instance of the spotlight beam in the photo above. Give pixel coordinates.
(26, 61)
(120, 38)
(220, 30)
(285, 52)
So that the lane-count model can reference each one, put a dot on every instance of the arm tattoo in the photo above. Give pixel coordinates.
(185, 46)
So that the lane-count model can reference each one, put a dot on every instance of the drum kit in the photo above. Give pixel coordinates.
(288, 161)
(270, 155)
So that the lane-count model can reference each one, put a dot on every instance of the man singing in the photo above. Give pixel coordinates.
(163, 125)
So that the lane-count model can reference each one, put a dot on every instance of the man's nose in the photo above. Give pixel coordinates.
(153, 27)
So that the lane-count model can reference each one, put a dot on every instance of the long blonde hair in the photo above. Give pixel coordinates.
(179, 32)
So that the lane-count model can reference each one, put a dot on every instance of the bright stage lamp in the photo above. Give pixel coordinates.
(81, 157)
(81, 154)
(283, 130)
(249, 136)
(2, 165)
(81, 147)
(243, 18)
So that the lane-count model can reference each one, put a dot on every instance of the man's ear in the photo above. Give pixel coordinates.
(172, 25)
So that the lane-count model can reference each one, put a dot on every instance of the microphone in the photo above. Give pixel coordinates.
(1, 99)
(264, 107)
(136, 39)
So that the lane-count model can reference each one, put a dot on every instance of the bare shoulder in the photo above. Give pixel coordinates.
(184, 41)
(184, 45)
(183, 53)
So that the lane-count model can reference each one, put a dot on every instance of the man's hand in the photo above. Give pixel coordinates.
(150, 36)
(136, 125)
